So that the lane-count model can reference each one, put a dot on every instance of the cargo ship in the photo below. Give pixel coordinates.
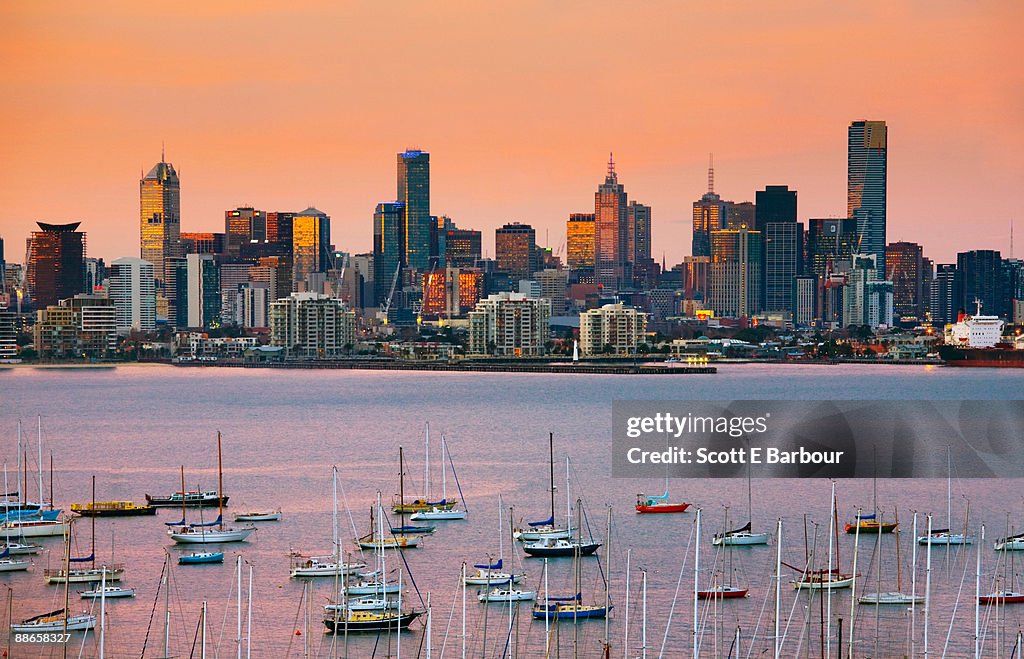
(978, 341)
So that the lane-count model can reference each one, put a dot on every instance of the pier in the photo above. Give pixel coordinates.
(470, 367)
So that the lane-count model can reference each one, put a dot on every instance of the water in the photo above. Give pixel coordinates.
(134, 427)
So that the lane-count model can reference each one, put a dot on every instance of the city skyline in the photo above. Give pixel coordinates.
(508, 136)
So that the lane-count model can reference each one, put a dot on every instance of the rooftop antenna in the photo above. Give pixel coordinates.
(711, 173)
(1011, 237)
(611, 166)
(162, 157)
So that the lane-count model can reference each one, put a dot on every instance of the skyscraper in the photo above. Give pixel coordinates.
(905, 269)
(866, 187)
(160, 217)
(611, 225)
(3, 269)
(199, 294)
(414, 195)
(388, 247)
(943, 305)
(829, 240)
(56, 263)
(734, 276)
(132, 288)
(462, 248)
(515, 249)
(579, 238)
(775, 218)
(638, 218)
(242, 226)
(311, 243)
(980, 276)
(709, 214)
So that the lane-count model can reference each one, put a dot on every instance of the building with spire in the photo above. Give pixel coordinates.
(160, 218)
(709, 214)
(611, 235)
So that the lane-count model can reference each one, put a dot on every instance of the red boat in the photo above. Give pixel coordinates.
(650, 503)
(722, 592)
(1002, 597)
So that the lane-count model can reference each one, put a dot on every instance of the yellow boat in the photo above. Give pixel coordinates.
(111, 509)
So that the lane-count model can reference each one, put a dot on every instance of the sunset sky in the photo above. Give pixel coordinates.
(519, 105)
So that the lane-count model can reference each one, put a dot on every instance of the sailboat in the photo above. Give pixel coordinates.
(499, 586)
(8, 564)
(658, 503)
(946, 536)
(203, 533)
(402, 527)
(572, 607)
(898, 597)
(744, 535)
(60, 620)
(870, 524)
(442, 511)
(1006, 594)
(327, 566)
(546, 529)
(724, 591)
(552, 547)
(89, 574)
(831, 578)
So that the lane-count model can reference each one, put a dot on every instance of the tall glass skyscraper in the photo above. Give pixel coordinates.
(56, 263)
(311, 243)
(388, 247)
(160, 217)
(866, 187)
(414, 194)
(611, 227)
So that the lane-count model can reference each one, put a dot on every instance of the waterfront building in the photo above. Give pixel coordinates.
(56, 263)
(612, 329)
(311, 326)
(509, 325)
(981, 276)
(311, 243)
(132, 289)
(611, 232)
(734, 273)
(515, 249)
(8, 335)
(866, 187)
(80, 326)
(160, 218)
(904, 264)
(414, 195)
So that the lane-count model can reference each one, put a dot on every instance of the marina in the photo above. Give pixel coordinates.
(496, 452)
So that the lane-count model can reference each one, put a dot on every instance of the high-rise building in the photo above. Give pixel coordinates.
(612, 328)
(8, 335)
(981, 277)
(160, 217)
(310, 325)
(95, 273)
(311, 243)
(202, 243)
(553, 284)
(56, 263)
(709, 214)
(462, 248)
(904, 265)
(866, 187)
(414, 195)
(579, 231)
(867, 300)
(805, 297)
(451, 292)
(515, 249)
(829, 240)
(638, 218)
(695, 277)
(253, 305)
(611, 232)
(739, 214)
(199, 295)
(510, 325)
(3, 269)
(775, 217)
(242, 226)
(734, 275)
(388, 248)
(776, 203)
(133, 290)
(943, 307)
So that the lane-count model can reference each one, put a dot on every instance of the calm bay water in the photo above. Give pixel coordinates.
(282, 430)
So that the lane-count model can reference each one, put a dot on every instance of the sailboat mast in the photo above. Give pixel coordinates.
(21, 494)
(696, 578)
(833, 521)
(551, 463)
(182, 494)
(949, 490)
(426, 467)
(39, 459)
(220, 484)
(899, 576)
(92, 518)
(401, 488)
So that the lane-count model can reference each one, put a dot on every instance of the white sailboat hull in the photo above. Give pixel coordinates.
(1017, 544)
(315, 568)
(84, 575)
(199, 536)
(946, 539)
(436, 514)
(543, 533)
(744, 538)
(74, 624)
(890, 598)
(485, 578)
(502, 595)
(824, 585)
(375, 588)
(14, 564)
(14, 529)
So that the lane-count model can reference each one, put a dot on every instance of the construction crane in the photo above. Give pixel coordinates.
(385, 307)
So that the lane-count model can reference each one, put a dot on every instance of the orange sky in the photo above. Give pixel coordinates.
(519, 105)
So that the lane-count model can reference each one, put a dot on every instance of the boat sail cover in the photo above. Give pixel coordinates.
(1011, 537)
(742, 529)
(938, 531)
(6, 552)
(550, 521)
(865, 517)
(442, 502)
(485, 566)
(216, 522)
(83, 559)
(181, 523)
(574, 598)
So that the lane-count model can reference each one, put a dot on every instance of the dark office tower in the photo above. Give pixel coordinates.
(980, 277)
(735, 272)
(739, 214)
(202, 243)
(3, 268)
(943, 295)
(56, 263)
(866, 187)
(388, 248)
(414, 194)
(783, 248)
(243, 226)
(515, 249)
(462, 248)
(95, 273)
(610, 231)
(776, 203)
(279, 228)
(927, 276)
(639, 227)
(829, 240)
(160, 218)
(1014, 287)
(579, 239)
(905, 269)
(709, 214)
